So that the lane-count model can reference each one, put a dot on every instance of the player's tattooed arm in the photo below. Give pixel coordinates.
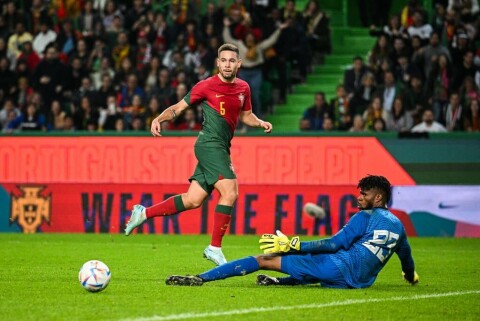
(168, 114)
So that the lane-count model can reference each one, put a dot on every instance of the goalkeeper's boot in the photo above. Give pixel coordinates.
(214, 255)
(136, 219)
(188, 280)
(266, 280)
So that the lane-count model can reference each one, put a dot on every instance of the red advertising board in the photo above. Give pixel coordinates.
(94, 208)
(170, 160)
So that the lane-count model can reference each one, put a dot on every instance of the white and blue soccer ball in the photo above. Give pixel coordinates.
(94, 276)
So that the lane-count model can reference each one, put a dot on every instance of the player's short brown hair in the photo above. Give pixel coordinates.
(228, 47)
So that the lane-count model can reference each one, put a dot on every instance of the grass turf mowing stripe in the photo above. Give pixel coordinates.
(193, 315)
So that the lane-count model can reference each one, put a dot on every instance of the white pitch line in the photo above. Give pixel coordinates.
(193, 315)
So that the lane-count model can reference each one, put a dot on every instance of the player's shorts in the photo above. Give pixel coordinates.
(313, 268)
(213, 164)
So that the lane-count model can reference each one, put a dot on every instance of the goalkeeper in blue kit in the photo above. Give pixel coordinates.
(352, 258)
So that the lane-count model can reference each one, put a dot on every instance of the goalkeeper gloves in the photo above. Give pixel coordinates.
(279, 243)
(411, 278)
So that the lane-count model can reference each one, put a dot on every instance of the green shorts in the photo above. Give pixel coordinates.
(213, 164)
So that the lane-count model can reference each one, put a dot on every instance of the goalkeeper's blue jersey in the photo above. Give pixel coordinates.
(366, 244)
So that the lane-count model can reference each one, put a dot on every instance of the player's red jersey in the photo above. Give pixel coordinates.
(222, 103)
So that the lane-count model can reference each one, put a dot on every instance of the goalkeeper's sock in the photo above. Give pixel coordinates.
(170, 206)
(221, 221)
(234, 268)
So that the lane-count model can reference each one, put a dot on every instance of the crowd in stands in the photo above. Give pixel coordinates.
(422, 75)
(98, 65)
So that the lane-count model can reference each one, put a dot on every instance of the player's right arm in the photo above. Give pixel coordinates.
(168, 114)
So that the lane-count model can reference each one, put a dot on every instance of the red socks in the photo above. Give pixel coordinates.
(220, 224)
(170, 206)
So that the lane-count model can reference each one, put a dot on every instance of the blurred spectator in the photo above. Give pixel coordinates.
(23, 92)
(430, 53)
(408, 12)
(56, 116)
(465, 69)
(328, 125)
(392, 30)
(142, 53)
(398, 119)
(87, 21)
(66, 38)
(137, 124)
(119, 125)
(29, 56)
(16, 41)
(77, 72)
(381, 50)
(374, 111)
(103, 70)
(313, 117)
(122, 50)
(7, 79)
(472, 117)
(101, 94)
(109, 13)
(162, 90)
(81, 52)
(419, 28)
(364, 94)
(342, 110)
(31, 119)
(11, 15)
(108, 116)
(8, 108)
(121, 74)
(439, 83)
(468, 91)
(317, 27)
(352, 77)
(429, 124)
(213, 16)
(150, 73)
(135, 110)
(358, 125)
(44, 37)
(379, 125)
(84, 114)
(453, 115)
(417, 100)
(3, 48)
(405, 69)
(439, 18)
(68, 124)
(153, 110)
(389, 90)
(10, 118)
(128, 90)
(468, 10)
(251, 53)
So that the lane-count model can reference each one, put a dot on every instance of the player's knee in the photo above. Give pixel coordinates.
(231, 196)
(267, 261)
(192, 202)
(196, 203)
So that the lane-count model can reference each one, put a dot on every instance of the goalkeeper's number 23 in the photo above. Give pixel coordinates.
(382, 243)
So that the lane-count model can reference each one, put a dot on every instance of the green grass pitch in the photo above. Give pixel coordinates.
(39, 282)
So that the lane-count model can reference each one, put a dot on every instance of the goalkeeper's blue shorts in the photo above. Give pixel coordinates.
(313, 268)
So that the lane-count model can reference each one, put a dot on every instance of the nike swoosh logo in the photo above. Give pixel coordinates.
(218, 96)
(443, 206)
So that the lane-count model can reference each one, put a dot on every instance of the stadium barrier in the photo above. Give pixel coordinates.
(104, 208)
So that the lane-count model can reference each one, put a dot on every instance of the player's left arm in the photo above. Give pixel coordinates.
(404, 253)
(250, 119)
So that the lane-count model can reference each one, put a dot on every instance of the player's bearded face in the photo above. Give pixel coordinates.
(228, 64)
(366, 199)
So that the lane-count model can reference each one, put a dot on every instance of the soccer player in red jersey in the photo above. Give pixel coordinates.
(224, 99)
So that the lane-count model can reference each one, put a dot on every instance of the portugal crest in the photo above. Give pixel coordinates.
(31, 209)
(241, 97)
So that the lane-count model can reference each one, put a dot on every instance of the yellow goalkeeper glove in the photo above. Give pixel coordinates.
(411, 279)
(278, 243)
